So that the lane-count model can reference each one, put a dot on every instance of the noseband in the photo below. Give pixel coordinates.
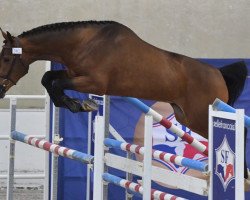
(6, 81)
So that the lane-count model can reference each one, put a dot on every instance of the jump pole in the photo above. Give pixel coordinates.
(53, 148)
(156, 154)
(222, 106)
(169, 125)
(154, 194)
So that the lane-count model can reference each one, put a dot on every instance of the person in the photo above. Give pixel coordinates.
(167, 141)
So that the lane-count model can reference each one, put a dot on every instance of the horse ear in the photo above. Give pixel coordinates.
(4, 34)
(9, 37)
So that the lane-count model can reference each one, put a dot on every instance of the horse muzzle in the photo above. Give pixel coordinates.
(2, 91)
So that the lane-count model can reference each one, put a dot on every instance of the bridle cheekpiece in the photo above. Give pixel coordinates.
(5, 80)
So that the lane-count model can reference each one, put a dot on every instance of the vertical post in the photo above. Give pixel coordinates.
(56, 140)
(147, 162)
(106, 114)
(129, 177)
(98, 193)
(239, 160)
(46, 163)
(91, 119)
(89, 152)
(211, 147)
(10, 179)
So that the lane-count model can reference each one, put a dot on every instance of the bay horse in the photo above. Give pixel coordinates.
(106, 57)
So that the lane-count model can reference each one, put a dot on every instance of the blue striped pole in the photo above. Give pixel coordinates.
(166, 157)
(169, 125)
(54, 148)
(134, 187)
(222, 106)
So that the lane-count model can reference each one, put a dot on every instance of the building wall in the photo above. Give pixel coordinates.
(201, 29)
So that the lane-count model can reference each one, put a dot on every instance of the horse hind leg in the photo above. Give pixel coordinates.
(179, 114)
(191, 117)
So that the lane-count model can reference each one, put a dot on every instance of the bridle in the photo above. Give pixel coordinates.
(16, 50)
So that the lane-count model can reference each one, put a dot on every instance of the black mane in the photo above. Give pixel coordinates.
(62, 26)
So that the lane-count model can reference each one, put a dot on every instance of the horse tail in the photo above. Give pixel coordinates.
(235, 76)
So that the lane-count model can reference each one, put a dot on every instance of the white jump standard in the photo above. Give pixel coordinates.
(223, 170)
(100, 176)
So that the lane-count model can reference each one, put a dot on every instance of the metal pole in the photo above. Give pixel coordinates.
(147, 159)
(56, 140)
(25, 97)
(47, 137)
(89, 152)
(129, 177)
(24, 176)
(98, 186)
(239, 149)
(11, 167)
(106, 114)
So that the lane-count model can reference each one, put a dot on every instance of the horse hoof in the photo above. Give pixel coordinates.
(89, 105)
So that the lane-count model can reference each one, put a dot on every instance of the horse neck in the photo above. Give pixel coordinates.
(56, 47)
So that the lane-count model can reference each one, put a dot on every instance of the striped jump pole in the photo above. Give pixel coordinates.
(167, 157)
(169, 125)
(134, 187)
(222, 106)
(54, 148)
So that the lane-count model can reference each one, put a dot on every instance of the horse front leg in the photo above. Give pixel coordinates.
(74, 105)
(55, 82)
(47, 81)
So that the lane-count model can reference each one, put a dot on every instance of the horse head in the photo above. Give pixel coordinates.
(12, 67)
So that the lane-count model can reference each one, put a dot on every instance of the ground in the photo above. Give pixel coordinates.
(24, 194)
